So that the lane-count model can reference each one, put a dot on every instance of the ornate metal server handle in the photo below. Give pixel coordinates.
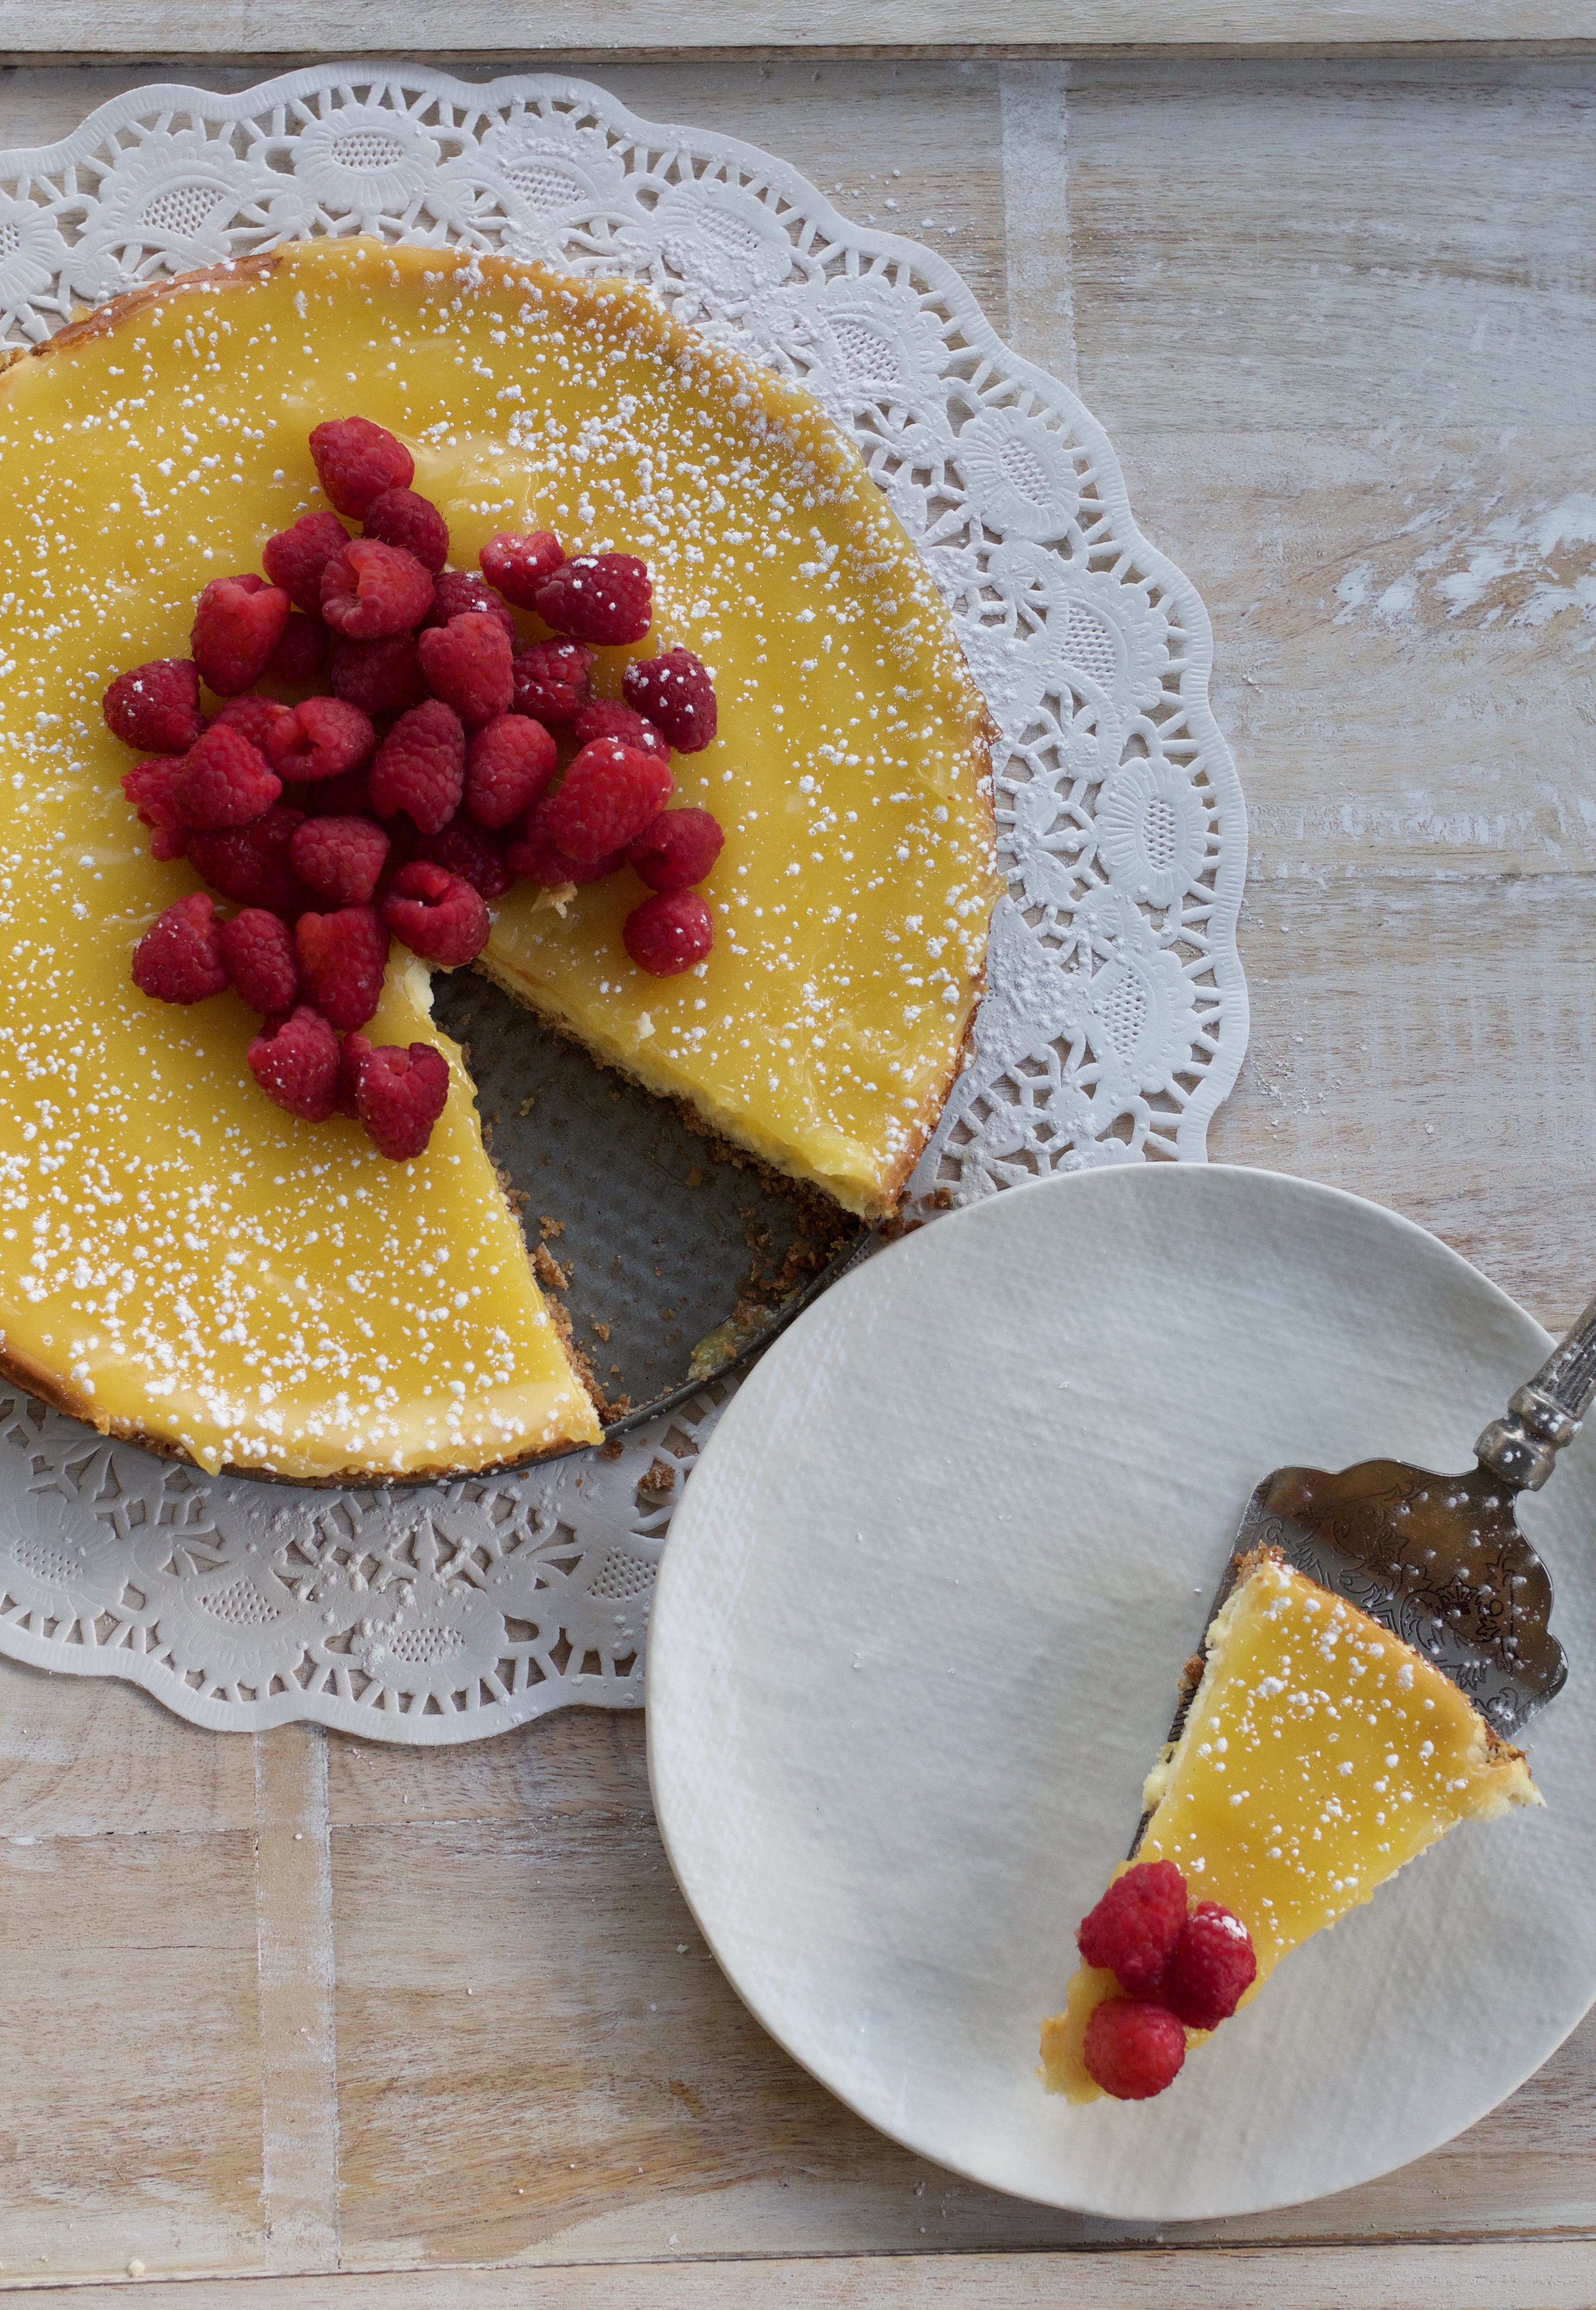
(1545, 1413)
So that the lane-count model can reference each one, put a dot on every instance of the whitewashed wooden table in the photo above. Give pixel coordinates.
(302, 2022)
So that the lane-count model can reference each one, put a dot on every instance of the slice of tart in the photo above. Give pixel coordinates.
(182, 1264)
(1318, 1755)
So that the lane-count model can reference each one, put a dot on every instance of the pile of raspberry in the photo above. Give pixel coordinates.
(1181, 1967)
(432, 757)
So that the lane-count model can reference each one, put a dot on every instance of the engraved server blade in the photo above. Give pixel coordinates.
(1438, 1559)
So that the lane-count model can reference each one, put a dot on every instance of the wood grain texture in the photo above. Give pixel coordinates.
(496, 28)
(383, 2030)
(1543, 2276)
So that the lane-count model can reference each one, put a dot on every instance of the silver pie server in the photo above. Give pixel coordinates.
(1439, 1560)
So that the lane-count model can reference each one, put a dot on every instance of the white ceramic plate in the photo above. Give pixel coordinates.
(915, 1643)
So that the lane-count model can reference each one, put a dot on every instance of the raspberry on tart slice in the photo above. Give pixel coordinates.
(608, 794)
(676, 850)
(438, 914)
(320, 738)
(607, 717)
(605, 598)
(340, 860)
(677, 696)
(515, 564)
(369, 591)
(296, 558)
(534, 853)
(552, 682)
(156, 706)
(400, 519)
(421, 766)
(461, 594)
(149, 786)
(1213, 1966)
(467, 664)
(358, 460)
(237, 625)
(341, 957)
(1133, 2048)
(1136, 1925)
(669, 933)
(509, 765)
(399, 1096)
(253, 717)
(258, 950)
(224, 781)
(179, 958)
(295, 1065)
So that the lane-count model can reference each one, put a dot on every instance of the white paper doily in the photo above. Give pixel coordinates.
(1115, 1020)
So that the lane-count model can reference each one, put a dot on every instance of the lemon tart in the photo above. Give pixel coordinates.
(180, 1261)
(1319, 1754)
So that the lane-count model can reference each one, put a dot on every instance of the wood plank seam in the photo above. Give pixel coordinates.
(297, 2026)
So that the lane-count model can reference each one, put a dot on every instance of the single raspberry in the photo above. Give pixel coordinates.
(300, 655)
(467, 664)
(515, 565)
(341, 960)
(676, 693)
(356, 1051)
(402, 518)
(508, 764)
(357, 461)
(224, 781)
(1132, 2049)
(297, 1065)
(552, 682)
(440, 917)
(253, 717)
(295, 558)
(1136, 1924)
(598, 597)
(348, 796)
(399, 1096)
(148, 787)
(536, 855)
(1213, 1964)
(258, 950)
(179, 959)
(607, 717)
(669, 933)
(606, 798)
(473, 854)
(250, 863)
(339, 859)
(156, 706)
(321, 738)
(678, 849)
(381, 678)
(460, 594)
(372, 590)
(421, 766)
(238, 623)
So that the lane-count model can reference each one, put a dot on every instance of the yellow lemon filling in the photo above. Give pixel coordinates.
(1319, 1754)
(178, 1260)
